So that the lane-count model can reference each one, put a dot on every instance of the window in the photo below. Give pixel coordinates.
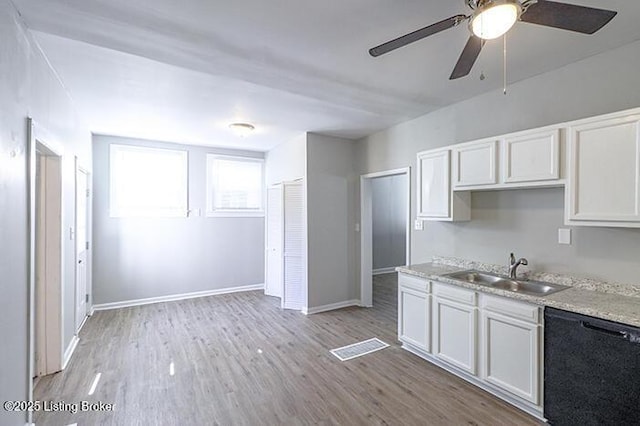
(234, 186)
(148, 182)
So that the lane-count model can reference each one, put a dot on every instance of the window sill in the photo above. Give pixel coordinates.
(147, 214)
(235, 213)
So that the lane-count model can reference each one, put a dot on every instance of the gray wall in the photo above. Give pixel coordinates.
(28, 87)
(150, 257)
(524, 221)
(389, 220)
(331, 191)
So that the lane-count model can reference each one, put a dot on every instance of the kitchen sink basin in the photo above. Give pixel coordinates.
(475, 277)
(532, 288)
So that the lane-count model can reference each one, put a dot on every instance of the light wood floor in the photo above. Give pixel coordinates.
(241, 360)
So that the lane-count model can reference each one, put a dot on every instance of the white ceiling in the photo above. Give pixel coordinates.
(183, 70)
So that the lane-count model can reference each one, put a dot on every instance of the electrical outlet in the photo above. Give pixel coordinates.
(357, 227)
(564, 236)
(418, 225)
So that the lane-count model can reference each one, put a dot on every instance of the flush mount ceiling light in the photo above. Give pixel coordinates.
(242, 129)
(494, 18)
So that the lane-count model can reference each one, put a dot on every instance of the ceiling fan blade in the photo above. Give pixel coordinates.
(582, 19)
(468, 57)
(416, 35)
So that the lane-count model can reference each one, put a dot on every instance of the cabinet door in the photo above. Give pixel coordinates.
(414, 314)
(511, 355)
(454, 333)
(475, 164)
(604, 171)
(434, 190)
(532, 156)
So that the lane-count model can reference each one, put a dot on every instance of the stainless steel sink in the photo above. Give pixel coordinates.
(532, 288)
(475, 277)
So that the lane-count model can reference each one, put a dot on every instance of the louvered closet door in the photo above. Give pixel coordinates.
(273, 279)
(293, 246)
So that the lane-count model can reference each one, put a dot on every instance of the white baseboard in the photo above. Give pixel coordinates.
(84, 321)
(381, 271)
(69, 352)
(330, 307)
(174, 297)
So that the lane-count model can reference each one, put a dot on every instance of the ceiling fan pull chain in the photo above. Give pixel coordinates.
(504, 65)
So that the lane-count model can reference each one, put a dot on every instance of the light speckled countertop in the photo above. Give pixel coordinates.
(614, 302)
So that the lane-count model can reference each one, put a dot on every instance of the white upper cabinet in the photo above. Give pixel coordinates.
(603, 187)
(433, 183)
(531, 156)
(435, 199)
(475, 163)
(596, 159)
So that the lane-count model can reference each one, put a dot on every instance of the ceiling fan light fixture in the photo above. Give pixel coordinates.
(494, 18)
(242, 129)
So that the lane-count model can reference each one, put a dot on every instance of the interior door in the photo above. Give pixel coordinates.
(82, 194)
(293, 260)
(48, 263)
(40, 275)
(274, 237)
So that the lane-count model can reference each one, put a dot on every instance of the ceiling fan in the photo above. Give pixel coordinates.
(490, 19)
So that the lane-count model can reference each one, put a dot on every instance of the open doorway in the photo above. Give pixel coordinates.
(389, 194)
(45, 265)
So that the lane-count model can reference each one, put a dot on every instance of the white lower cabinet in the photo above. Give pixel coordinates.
(455, 328)
(414, 312)
(510, 351)
(492, 341)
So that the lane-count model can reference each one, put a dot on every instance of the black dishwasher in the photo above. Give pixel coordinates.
(591, 370)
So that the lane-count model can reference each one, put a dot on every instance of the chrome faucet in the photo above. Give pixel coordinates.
(513, 265)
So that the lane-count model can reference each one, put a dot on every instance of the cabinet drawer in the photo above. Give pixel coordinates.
(456, 294)
(415, 283)
(519, 310)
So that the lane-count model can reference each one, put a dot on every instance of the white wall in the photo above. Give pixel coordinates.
(326, 164)
(28, 87)
(151, 257)
(287, 161)
(389, 221)
(523, 221)
(331, 195)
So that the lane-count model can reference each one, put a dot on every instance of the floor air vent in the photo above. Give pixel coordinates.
(358, 349)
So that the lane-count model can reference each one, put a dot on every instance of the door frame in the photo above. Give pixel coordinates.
(366, 230)
(40, 140)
